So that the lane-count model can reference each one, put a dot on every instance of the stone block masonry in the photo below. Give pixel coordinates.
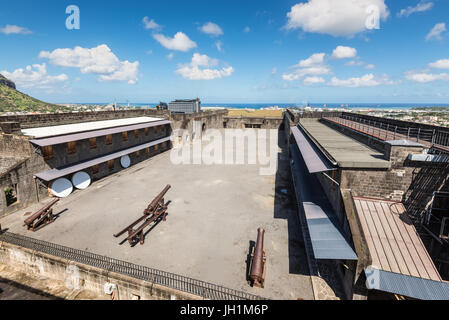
(81, 276)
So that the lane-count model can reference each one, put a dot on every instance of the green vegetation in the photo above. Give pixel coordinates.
(10, 196)
(12, 100)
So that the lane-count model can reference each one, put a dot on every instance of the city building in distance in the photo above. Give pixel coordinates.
(185, 106)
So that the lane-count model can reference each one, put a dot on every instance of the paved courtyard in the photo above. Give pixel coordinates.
(213, 214)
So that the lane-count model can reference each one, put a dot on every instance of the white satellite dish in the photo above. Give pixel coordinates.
(61, 188)
(81, 180)
(125, 161)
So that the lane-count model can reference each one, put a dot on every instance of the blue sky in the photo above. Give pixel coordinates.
(228, 51)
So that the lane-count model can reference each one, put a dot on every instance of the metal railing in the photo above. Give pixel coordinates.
(167, 279)
(385, 131)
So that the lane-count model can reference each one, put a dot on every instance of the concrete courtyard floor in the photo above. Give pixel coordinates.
(214, 213)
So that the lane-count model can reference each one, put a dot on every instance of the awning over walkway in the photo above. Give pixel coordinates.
(400, 261)
(328, 241)
(61, 172)
(96, 133)
(313, 158)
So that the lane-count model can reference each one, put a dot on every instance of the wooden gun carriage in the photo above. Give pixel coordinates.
(42, 217)
(156, 211)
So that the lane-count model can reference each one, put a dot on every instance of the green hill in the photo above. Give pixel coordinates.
(12, 100)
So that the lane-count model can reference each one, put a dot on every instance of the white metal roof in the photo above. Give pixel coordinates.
(52, 131)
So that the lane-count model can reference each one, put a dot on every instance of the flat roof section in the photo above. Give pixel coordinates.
(61, 172)
(92, 134)
(400, 261)
(314, 159)
(328, 241)
(52, 131)
(346, 151)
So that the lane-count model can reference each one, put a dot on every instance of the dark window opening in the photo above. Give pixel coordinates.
(147, 150)
(253, 126)
(71, 146)
(95, 169)
(93, 143)
(156, 147)
(203, 128)
(137, 153)
(47, 152)
(11, 195)
(225, 124)
(147, 130)
(155, 130)
(125, 136)
(136, 133)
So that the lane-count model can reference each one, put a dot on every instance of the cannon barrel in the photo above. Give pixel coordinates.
(40, 212)
(257, 265)
(156, 200)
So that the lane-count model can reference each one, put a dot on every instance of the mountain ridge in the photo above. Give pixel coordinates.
(12, 100)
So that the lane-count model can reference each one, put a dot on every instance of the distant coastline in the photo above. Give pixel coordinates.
(324, 106)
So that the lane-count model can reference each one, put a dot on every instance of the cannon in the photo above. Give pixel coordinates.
(42, 217)
(155, 212)
(258, 262)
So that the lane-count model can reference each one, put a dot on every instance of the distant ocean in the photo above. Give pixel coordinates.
(357, 106)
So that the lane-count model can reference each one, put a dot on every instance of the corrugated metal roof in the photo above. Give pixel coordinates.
(52, 131)
(392, 240)
(315, 161)
(97, 133)
(61, 172)
(400, 261)
(406, 285)
(328, 241)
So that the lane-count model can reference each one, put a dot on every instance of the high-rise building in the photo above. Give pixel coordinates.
(185, 106)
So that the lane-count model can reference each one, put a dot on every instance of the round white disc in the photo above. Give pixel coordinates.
(81, 180)
(61, 188)
(125, 161)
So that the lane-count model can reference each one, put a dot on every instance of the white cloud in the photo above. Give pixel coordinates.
(274, 70)
(150, 24)
(211, 29)
(314, 60)
(425, 77)
(342, 52)
(203, 60)
(440, 64)
(34, 76)
(436, 32)
(368, 80)
(180, 42)
(420, 7)
(193, 70)
(313, 80)
(99, 60)
(12, 29)
(247, 29)
(170, 56)
(370, 66)
(312, 66)
(336, 18)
